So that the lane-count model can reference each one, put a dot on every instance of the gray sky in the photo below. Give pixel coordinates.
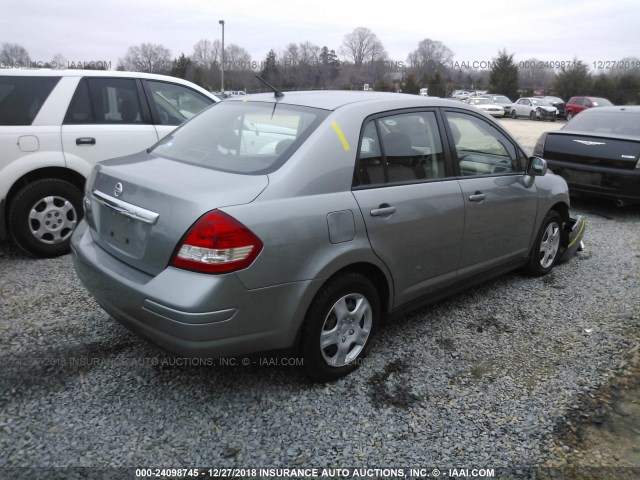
(85, 31)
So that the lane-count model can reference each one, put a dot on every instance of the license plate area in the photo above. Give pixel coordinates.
(123, 233)
(119, 228)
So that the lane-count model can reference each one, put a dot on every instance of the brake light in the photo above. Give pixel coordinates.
(217, 243)
(538, 150)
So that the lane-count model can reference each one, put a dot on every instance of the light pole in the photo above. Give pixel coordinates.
(221, 22)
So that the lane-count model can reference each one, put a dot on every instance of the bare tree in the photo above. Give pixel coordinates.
(59, 62)
(236, 57)
(430, 56)
(309, 53)
(291, 56)
(14, 55)
(206, 53)
(362, 45)
(239, 66)
(147, 57)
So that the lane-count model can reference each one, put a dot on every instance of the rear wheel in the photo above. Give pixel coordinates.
(547, 247)
(339, 327)
(43, 216)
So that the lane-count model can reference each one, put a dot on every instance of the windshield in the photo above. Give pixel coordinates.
(620, 123)
(538, 102)
(242, 137)
(482, 101)
(501, 99)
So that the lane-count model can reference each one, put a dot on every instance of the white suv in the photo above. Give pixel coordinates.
(56, 124)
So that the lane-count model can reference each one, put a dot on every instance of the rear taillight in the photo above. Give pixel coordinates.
(217, 243)
(538, 150)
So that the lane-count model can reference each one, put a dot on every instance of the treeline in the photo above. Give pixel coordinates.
(362, 59)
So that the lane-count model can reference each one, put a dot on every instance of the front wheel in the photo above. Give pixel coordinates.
(43, 216)
(514, 115)
(533, 115)
(339, 327)
(547, 247)
(569, 116)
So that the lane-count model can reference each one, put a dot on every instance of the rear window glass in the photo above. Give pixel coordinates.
(22, 97)
(620, 123)
(242, 137)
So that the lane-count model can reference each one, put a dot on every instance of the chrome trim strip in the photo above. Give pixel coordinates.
(124, 208)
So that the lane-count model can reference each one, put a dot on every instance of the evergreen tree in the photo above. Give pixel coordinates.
(270, 68)
(181, 66)
(573, 80)
(410, 85)
(503, 77)
(436, 86)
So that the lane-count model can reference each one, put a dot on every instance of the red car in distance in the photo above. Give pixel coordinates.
(577, 104)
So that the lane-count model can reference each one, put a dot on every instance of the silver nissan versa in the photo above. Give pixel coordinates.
(302, 219)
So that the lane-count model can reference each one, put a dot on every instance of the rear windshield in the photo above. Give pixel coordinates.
(22, 97)
(619, 123)
(242, 137)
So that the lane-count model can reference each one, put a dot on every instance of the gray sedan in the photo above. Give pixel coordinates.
(302, 220)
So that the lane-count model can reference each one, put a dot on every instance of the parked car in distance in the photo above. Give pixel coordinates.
(486, 105)
(556, 102)
(296, 220)
(424, 91)
(56, 124)
(533, 108)
(460, 94)
(598, 153)
(575, 105)
(502, 100)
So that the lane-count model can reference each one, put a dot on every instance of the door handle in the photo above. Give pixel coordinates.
(477, 197)
(383, 210)
(85, 141)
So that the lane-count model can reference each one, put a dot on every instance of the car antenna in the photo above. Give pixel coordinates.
(277, 93)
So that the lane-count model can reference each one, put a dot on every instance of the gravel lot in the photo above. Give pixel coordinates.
(491, 378)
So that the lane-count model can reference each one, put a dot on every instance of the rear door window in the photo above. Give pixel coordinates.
(22, 97)
(400, 148)
(106, 101)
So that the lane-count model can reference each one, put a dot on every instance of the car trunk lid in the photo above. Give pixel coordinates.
(622, 153)
(141, 206)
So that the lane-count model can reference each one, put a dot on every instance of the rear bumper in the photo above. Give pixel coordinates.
(189, 313)
(600, 182)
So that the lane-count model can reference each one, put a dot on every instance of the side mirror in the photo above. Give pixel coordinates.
(536, 167)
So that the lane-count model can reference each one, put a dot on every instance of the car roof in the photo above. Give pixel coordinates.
(633, 109)
(334, 99)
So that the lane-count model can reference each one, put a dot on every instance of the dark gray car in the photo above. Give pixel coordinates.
(300, 221)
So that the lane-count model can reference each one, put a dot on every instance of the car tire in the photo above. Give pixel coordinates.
(569, 116)
(547, 248)
(339, 327)
(43, 215)
(532, 115)
(514, 115)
